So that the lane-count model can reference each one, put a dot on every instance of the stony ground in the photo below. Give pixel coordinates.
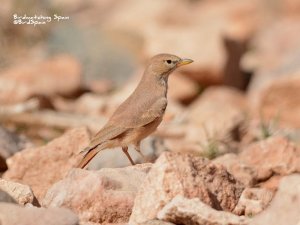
(227, 151)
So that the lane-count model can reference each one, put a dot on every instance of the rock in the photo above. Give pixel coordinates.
(20, 192)
(257, 129)
(181, 210)
(272, 183)
(91, 223)
(104, 196)
(188, 175)
(5, 197)
(183, 145)
(10, 143)
(241, 171)
(283, 157)
(274, 55)
(205, 128)
(253, 201)
(274, 88)
(100, 86)
(43, 166)
(156, 222)
(284, 208)
(86, 104)
(251, 167)
(219, 112)
(182, 88)
(278, 98)
(11, 214)
(59, 75)
(290, 7)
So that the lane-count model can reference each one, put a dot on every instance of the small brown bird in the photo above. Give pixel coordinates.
(141, 113)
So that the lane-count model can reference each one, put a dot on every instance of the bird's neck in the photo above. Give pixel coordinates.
(155, 84)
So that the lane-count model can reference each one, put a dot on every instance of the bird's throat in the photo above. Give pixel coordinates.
(163, 80)
(163, 83)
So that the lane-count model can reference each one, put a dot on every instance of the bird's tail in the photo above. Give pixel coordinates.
(89, 155)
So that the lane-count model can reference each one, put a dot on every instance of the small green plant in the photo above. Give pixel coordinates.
(211, 146)
(211, 149)
(268, 128)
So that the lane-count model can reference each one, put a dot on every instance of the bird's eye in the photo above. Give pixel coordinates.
(169, 61)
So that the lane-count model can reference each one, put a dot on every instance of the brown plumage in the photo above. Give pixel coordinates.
(140, 114)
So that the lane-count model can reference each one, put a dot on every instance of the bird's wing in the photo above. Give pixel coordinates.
(125, 120)
(142, 115)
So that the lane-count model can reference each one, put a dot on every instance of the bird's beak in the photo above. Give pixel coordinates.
(183, 62)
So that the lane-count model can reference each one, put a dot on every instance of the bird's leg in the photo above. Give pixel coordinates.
(137, 147)
(125, 150)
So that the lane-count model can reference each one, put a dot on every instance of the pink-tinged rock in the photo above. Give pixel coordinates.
(59, 75)
(275, 155)
(182, 210)
(100, 86)
(241, 171)
(218, 112)
(5, 197)
(284, 208)
(275, 53)
(103, 196)
(214, 119)
(274, 88)
(86, 104)
(253, 201)
(187, 175)
(20, 192)
(43, 166)
(272, 183)
(11, 214)
(156, 222)
(277, 100)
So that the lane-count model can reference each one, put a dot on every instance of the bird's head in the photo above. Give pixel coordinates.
(164, 64)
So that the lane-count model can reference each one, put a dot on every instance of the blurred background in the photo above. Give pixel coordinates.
(243, 86)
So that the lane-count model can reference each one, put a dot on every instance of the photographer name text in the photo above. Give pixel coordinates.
(37, 20)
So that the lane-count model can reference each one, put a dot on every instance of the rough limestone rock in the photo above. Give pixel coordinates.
(241, 171)
(43, 166)
(219, 112)
(11, 214)
(279, 97)
(284, 208)
(190, 176)
(193, 211)
(156, 222)
(274, 58)
(58, 75)
(103, 196)
(20, 192)
(283, 157)
(5, 197)
(253, 201)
